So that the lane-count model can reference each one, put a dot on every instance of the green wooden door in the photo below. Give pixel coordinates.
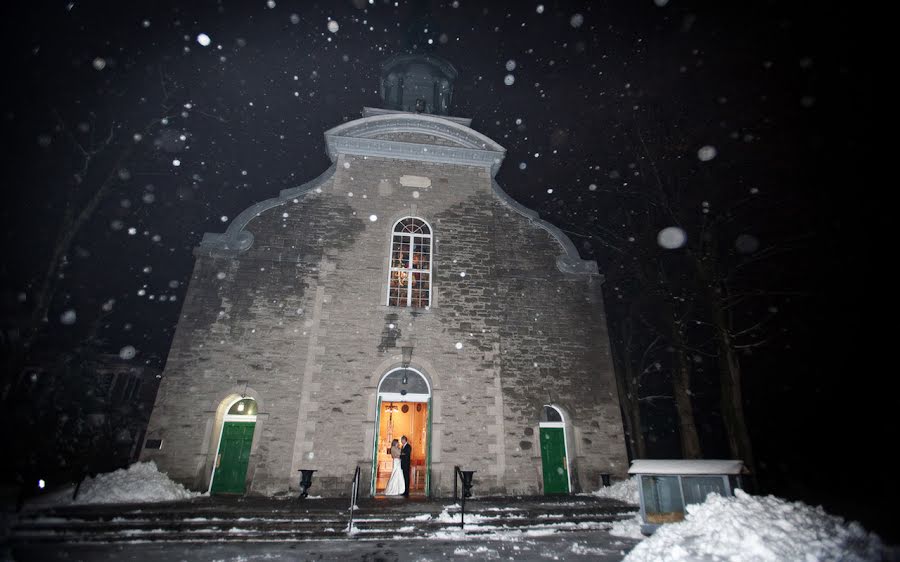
(234, 455)
(553, 459)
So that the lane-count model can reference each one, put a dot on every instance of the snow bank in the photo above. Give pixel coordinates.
(626, 491)
(139, 483)
(628, 528)
(763, 528)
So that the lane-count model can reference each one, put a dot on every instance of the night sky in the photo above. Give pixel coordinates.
(594, 102)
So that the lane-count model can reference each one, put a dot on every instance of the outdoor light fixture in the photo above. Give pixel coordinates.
(240, 407)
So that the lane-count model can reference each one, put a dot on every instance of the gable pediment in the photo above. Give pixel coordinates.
(415, 136)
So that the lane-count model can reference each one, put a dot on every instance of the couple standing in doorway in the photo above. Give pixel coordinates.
(401, 452)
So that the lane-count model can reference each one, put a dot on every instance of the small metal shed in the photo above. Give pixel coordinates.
(666, 486)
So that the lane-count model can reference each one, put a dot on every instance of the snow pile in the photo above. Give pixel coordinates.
(626, 491)
(139, 483)
(749, 528)
(628, 528)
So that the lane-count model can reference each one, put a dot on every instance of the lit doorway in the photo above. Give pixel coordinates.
(404, 408)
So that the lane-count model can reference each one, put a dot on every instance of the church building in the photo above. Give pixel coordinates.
(401, 292)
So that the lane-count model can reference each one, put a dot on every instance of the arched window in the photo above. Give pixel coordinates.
(409, 281)
(551, 415)
(243, 407)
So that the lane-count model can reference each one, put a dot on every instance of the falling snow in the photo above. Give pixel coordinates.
(706, 153)
(127, 352)
(671, 237)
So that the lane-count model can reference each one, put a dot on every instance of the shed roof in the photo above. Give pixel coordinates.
(681, 466)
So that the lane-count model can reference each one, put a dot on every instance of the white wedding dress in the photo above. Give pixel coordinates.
(396, 484)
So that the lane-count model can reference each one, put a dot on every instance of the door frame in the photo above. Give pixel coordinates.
(381, 398)
(230, 418)
(558, 425)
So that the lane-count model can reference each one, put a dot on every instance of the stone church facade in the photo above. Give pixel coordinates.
(401, 291)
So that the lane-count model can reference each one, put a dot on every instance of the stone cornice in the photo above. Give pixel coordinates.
(357, 137)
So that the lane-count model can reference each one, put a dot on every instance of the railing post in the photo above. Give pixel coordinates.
(354, 493)
(462, 511)
(455, 476)
(465, 477)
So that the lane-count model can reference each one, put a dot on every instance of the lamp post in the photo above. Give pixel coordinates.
(466, 477)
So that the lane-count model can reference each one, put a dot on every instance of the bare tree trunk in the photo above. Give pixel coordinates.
(628, 388)
(681, 388)
(732, 400)
(637, 435)
(730, 383)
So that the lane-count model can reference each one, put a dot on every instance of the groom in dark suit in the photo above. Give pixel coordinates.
(405, 454)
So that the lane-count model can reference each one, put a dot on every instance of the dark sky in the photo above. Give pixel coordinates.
(781, 90)
(753, 81)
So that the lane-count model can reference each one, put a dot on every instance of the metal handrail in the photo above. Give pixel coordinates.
(354, 494)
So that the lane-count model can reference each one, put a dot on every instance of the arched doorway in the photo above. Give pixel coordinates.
(554, 451)
(403, 408)
(233, 453)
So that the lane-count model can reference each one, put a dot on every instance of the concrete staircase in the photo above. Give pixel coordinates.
(220, 519)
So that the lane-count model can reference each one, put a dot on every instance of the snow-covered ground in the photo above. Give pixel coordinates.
(740, 528)
(762, 528)
(625, 490)
(139, 483)
(748, 528)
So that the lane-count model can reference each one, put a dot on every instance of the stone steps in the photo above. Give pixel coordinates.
(209, 522)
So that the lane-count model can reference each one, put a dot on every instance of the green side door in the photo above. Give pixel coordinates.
(230, 476)
(553, 459)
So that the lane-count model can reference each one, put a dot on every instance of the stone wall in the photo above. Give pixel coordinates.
(299, 322)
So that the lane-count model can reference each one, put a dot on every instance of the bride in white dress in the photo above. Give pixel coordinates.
(396, 484)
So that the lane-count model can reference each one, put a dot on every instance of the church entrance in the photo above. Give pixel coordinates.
(554, 457)
(404, 409)
(233, 455)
